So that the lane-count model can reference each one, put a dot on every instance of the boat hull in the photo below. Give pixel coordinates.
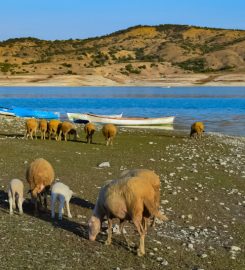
(127, 121)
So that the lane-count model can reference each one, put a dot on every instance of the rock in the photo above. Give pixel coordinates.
(190, 246)
(164, 201)
(105, 164)
(235, 249)
(164, 262)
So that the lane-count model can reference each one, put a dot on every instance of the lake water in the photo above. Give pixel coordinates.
(222, 109)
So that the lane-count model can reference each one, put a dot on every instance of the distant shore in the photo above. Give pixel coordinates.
(173, 80)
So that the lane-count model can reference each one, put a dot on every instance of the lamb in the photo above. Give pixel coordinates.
(31, 128)
(64, 194)
(39, 175)
(109, 131)
(134, 196)
(89, 129)
(53, 128)
(43, 126)
(15, 194)
(197, 129)
(67, 128)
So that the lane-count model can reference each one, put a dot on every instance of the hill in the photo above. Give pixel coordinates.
(136, 54)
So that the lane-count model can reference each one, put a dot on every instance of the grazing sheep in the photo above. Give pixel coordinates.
(134, 196)
(109, 131)
(53, 128)
(63, 193)
(197, 129)
(31, 128)
(39, 175)
(15, 194)
(89, 129)
(67, 128)
(43, 126)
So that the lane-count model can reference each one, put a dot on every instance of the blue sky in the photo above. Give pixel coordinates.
(64, 19)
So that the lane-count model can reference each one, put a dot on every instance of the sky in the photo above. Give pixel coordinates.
(65, 19)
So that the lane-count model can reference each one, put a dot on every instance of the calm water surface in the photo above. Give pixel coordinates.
(221, 108)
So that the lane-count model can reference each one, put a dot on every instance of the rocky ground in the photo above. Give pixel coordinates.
(202, 193)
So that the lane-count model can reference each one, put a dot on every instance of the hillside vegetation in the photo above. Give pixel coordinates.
(140, 51)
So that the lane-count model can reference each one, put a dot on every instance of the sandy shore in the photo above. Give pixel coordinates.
(232, 79)
(202, 193)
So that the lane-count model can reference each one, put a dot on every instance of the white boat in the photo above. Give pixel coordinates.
(126, 121)
(85, 116)
(6, 112)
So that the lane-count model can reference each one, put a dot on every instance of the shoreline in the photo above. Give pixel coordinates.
(174, 80)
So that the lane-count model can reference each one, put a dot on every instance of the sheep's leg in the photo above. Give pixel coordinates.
(61, 206)
(35, 134)
(45, 199)
(87, 138)
(68, 209)
(53, 200)
(137, 220)
(141, 231)
(20, 201)
(121, 227)
(10, 203)
(36, 206)
(31, 134)
(108, 241)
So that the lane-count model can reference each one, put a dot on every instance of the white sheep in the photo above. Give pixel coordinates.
(63, 193)
(15, 194)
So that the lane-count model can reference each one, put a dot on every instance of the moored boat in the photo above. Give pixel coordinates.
(84, 117)
(6, 112)
(127, 121)
(22, 112)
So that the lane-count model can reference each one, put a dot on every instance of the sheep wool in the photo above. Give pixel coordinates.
(89, 129)
(134, 196)
(15, 194)
(109, 131)
(197, 129)
(63, 193)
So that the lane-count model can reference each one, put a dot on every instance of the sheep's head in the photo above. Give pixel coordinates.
(94, 227)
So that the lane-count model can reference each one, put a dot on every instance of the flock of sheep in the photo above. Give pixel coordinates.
(58, 129)
(134, 196)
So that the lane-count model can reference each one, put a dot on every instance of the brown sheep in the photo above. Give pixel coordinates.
(53, 128)
(43, 126)
(31, 128)
(89, 129)
(109, 131)
(197, 129)
(67, 128)
(134, 196)
(39, 175)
